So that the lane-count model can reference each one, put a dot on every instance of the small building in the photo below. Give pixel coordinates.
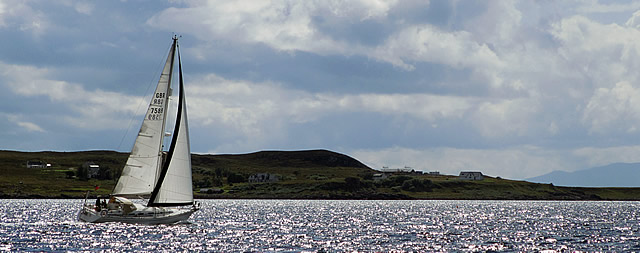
(405, 170)
(92, 169)
(263, 178)
(434, 173)
(471, 175)
(380, 176)
(36, 164)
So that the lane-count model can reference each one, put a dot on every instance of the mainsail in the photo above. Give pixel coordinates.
(142, 169)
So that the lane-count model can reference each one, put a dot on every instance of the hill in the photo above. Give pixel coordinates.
(310, 174)
(208, 170)
(612, 175)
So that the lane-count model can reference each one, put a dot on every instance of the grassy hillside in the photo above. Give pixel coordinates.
(313, 174)
(18, 181)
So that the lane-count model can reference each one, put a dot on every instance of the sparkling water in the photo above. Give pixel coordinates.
(334, 226)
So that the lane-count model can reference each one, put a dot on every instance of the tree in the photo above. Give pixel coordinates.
(235, 178)
(220, 172)
(81, 173)
(216, 181)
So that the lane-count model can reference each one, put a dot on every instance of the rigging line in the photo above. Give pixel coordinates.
(143, 99)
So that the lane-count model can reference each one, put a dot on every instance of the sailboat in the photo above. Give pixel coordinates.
(162, 177)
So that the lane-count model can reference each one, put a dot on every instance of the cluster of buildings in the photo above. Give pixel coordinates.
(92, 168)
(263, 178)
(386, 172)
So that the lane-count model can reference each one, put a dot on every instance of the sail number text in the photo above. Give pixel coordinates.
(159, 98)
(155, 113)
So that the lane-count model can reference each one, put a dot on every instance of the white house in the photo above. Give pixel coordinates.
(471, 175)
(92, 169)
(36, 164)
(380, 176)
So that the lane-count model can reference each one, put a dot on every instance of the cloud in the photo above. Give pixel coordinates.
(290, 26)
(19, 14)
(3, 10)
(594, 6)
(84, 8)
(282, 25)
(617, 108)
(605, 58)
(24, 125)
(31, 127)
(499, 25)
(506, 117)
(261, 112)
(426, 43)
(95, 109)
(600, 156)
(264, 100)
(514, 163)
(634, 20)
(600, 52)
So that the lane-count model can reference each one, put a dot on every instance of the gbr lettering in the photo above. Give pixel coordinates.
(155, 113)
(159, 98)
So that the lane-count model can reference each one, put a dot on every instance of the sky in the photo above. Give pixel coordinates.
(514, 89)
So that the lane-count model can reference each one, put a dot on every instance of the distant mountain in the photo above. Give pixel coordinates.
(612, 175)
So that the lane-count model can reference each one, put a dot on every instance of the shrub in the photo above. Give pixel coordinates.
(366, 176)
(417, 185)
(352, 183)
(399, 180)
(394, 181)
(216, 181)
(202, 183)
(105, 173)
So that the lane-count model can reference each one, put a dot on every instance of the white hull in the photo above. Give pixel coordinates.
(147, 215)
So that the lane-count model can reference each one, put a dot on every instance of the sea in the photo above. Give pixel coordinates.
(47, 225)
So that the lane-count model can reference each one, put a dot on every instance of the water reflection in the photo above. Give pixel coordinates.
(334, 226)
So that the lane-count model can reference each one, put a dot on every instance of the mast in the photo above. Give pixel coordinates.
(174, 48)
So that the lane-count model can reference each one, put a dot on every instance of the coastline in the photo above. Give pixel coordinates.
(309, 174)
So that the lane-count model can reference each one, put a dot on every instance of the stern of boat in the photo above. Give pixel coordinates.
(89, 214)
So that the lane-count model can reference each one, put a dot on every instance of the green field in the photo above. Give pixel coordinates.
(313, 174)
